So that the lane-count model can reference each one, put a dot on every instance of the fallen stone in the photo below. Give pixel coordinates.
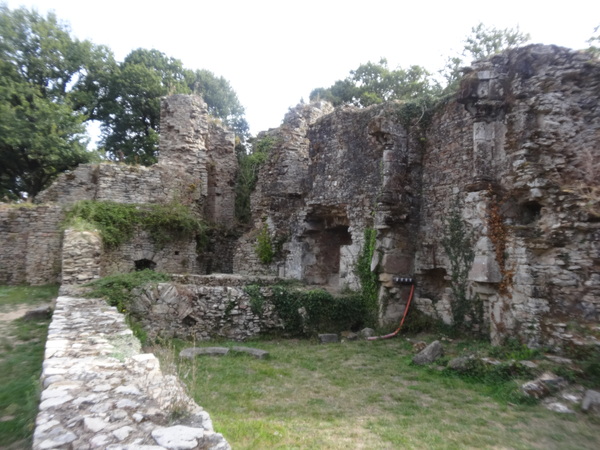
(328, 338)
(41, 313)
(559, 408)
(461, 364)
(367, 332)
(192, 352)
(528, 364)
(559, 359)
(178, 437)
(544, 385)
(256, 352)
(429, 354)
(591, 402)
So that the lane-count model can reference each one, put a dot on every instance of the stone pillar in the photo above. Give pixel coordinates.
(80, 257)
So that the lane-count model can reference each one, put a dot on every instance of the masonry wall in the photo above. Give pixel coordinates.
(204, 307)
(30, 244)
(188, 172)
(518, 145)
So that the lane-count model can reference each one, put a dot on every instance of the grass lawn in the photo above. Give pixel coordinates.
(367, 395)
(21, 355)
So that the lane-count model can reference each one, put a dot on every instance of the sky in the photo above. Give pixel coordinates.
(274, 53)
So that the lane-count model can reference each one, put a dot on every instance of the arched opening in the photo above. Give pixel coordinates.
(143, 264)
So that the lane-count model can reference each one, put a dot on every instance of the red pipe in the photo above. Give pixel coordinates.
(391, 335)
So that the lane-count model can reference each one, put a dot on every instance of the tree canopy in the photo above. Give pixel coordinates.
(129, 107)
(51, 84)
(374, 83)
(42, 70)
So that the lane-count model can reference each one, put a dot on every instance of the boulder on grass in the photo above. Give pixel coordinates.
(591, 402)
(544, 385)
(429, 354)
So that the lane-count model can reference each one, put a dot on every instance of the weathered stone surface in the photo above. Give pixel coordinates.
(256, 352)
(367, 332)
(191, 353)
(544, 385)
(328, 338)
(40, 313)
(178, 437)
(461, 363)
(591, 402)
(429, 354)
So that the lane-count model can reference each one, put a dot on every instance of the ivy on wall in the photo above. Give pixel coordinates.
(116, 222)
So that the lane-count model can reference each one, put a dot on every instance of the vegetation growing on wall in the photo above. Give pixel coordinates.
(369, 281)
(310, 312)
(467, 312)
(249, 165)
(264, 246)
(117, 221)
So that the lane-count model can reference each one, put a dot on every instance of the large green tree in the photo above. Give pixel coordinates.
(129, 107)
(42, 71)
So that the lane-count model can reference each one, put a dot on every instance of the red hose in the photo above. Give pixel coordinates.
(391, 335)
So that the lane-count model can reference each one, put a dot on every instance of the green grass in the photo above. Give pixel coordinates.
(15, 295)
(366, 395)
(21, 355)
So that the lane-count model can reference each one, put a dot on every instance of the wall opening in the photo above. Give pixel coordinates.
(529, 212)
(143, 264)
(326, 232)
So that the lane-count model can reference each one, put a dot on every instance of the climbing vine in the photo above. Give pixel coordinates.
(369, 281)
(458, 244)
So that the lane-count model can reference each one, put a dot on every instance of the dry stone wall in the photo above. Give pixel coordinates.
(205, 307)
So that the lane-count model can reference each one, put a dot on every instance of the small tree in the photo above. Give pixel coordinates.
(483, 42)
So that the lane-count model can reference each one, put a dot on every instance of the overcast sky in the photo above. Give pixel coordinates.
(274, 52)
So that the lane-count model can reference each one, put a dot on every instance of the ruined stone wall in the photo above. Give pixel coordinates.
(525, 147)
(30, 244)
(197, 167)
(515, 154)
(204, 307)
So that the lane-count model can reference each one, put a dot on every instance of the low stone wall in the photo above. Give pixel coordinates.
(99, 391)
(204, 307)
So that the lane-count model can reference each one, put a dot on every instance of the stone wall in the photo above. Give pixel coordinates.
(516, 152)
(204, 307)
(197, 167)
(30, 244)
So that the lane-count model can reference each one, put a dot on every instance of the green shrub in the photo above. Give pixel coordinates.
(117, 289)
(264, 246)
(310, 312)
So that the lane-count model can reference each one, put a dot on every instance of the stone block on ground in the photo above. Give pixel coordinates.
(192, 352)
(591, 402)
(429, 354)
(40, 313)
(544, 385)
(328, 338)
(256, 352)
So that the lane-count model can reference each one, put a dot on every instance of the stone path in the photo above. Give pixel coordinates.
(99, 391)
